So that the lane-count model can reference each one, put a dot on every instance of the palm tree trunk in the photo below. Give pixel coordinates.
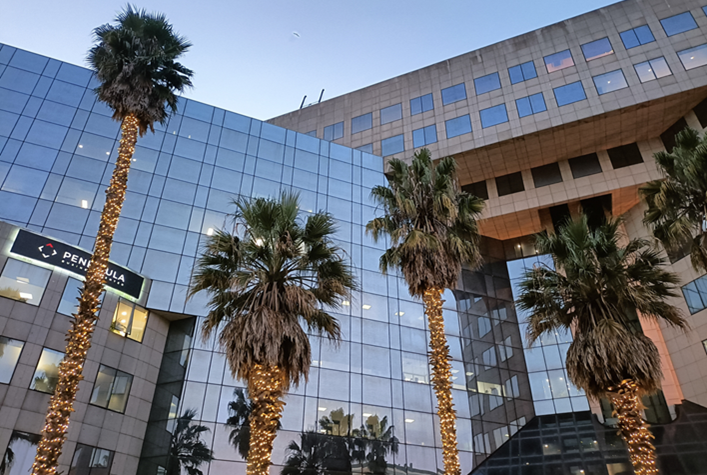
(266, 390)
(441, 374)
(79, 338)
(632, 427)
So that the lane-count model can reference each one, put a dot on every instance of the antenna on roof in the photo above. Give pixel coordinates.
(303, 99)
(321, 94)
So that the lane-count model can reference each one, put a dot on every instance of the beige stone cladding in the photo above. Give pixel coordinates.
(41, 327)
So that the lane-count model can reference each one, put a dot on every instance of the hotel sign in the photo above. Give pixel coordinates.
(73, 259)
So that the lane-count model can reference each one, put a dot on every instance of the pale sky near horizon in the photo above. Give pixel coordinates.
(248, 59)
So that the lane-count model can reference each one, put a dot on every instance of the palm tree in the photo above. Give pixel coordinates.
(239, 411)
(677, 205)
(597, 289)
(187, 451)
(135, 63)
(378, 436)
(433, 231)
(261, 290)
(309, 457)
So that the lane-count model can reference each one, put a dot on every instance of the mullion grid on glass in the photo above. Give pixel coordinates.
(522, 72)
(638, 36)
(530, 105)
(652, 69)
(424, 136)
(421, 104)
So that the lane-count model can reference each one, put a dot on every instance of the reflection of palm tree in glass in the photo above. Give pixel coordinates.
(9, 457)
(46, 380)
(377, 440)
(309, 457)
(239, 411)
(187, 451)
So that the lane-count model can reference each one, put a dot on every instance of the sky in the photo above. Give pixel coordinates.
(261, 57)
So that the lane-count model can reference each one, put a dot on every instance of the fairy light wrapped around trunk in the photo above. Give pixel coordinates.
(441, 380)
(79, 336)
(632, 427)
(266, 390)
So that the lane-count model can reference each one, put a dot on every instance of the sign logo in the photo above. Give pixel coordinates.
(64, 256)
(50, 249)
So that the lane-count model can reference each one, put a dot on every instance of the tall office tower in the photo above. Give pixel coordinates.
(562, 119)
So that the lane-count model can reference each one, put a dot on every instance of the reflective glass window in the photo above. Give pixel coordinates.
(531, 105)
(569, 93)
(522, 72)
(678, 23)
(129, 320)
(424, 136)
(506, 185)
(23, 447)
(458, 126)
(24, 282)
(546, 175)
(91, 461)
(652, 69)
(46, 134)
(311, 133)
(94, 146)
(638, 36)
(65, 93)
(625, 155)
(361, 123)
(46, 375)
(597, 49)
(478, 189)
(609, 82)
(333, 132)
(695, 294)
(10, 350)
(69, 303)
(26, 181)
(421, 104)
(77, 193)
(557, 61)
(368, 148)
(585, 165)
(111, 389)
(487, 83)
(693, 57)
(392, 113)
(453, 94)
(29, 61)
(56, 113)
(392, 145)
(18, 80)
(35, 156)
(493, 116)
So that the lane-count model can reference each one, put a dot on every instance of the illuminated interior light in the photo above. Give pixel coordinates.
(322, 409)
(25, 295)
(80, 146)
(409, 421)
(365, 307)
(399, 314)
(210, 232)
(258, 242)
(367, 414)
(345, 303)
(84, 204)
(23, 280)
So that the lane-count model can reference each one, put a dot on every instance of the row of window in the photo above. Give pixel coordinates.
(26, 282)
(545, 175)
(647, 71)
(110, 390)
(22, 447)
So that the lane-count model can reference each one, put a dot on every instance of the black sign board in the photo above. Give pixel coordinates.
(64, 256)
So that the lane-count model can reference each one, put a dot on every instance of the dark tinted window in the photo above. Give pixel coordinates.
(393, 113)
(585, 165)
(701, 113)
(678, 24)
(91, 461)
(625, 155)
(487, 83)
(531, 105)
(453, 94)
(361, 123)
(546, 175)
(458, 126)
(597, 49)
(569, 93)
(637, 36)
(477, 189)
(668, 137)
(511, 183)
(421, 104)
(522, 72)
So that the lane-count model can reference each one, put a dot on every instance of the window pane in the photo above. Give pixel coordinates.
(361, 123)
(459, 126)
(506, 185)
(23, 447)
(523, 106)
(625, 155)
(528, 70)
(138, 324)
(516, 74)
(421, 104)
(102, 387)
(630, 39)
(9, 354)
(69, 304)
(570, 93)
(537, 102)
(333, 132)
(47, 373)
(660, 67)
(609, 82)
(120, 392)
(453, 94)
(585, 165)
(487, 83)
(24, 282)
(87, 458)
(129, 320)
(391, 114)
(694, 57)
(392, 145)
(597, 49)
(644, 34)
(644, 71)
(368, 148)
(557, 61)
(493, 116)
(678, 24)
(546, 175)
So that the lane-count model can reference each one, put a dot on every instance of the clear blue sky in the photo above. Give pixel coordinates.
(247, 59)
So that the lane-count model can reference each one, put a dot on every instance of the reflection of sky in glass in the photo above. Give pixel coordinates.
(557, 61)
(551, 389)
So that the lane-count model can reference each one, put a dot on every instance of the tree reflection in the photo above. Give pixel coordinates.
(239, 411)
(340, 449)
